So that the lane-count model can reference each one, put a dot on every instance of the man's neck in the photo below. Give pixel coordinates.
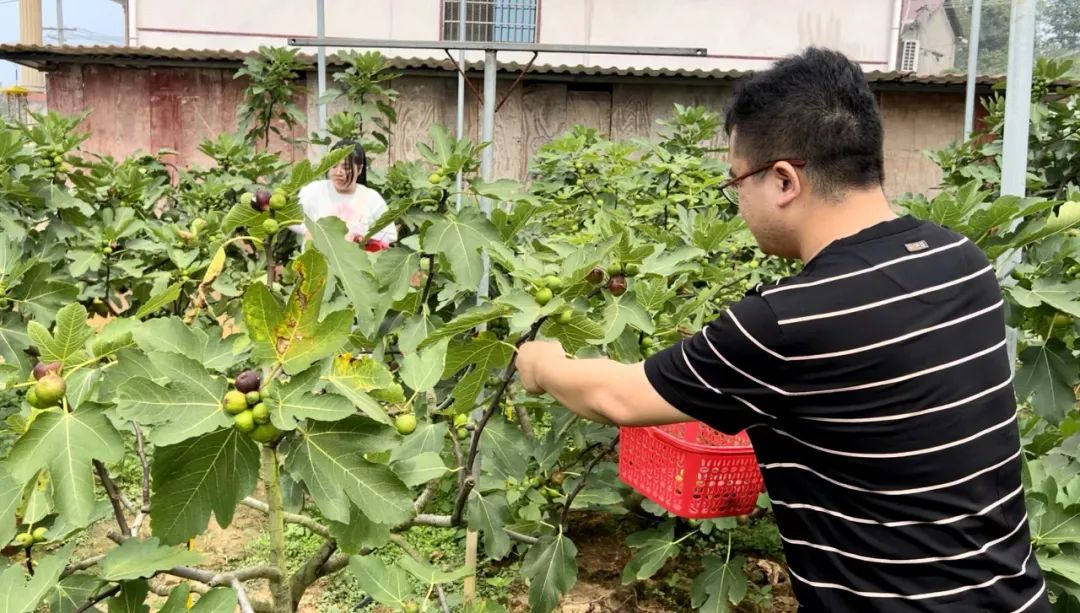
(832, 221)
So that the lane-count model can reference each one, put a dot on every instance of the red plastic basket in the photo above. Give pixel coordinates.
(690, 469)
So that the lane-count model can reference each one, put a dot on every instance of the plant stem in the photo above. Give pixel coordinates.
(89, 604)
(30, 560)
(584, 478)
(270, 261)
(290, 518)
(432, 264)
(145, 509)
(272, 478)
(114, 496)
(474, 448)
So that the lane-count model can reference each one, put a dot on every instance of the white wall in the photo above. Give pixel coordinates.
(762, 29)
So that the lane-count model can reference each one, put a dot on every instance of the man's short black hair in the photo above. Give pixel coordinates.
(817, 107)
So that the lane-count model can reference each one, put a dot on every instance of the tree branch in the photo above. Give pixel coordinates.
(144, 511)
(445, 521)
(114, 496)
(309, 572)
(272, 479)
(458, 456)
(432, 264)
(526, 424)
(290, 518)
(212, 579)
(241, 596)
(81, 565)
(584, 478)
(463, 495)
(89, 604)
(425, 496)
(336, 563)
(474, 448)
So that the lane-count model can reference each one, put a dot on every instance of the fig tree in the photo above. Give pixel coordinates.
(617, 285)
(435, 178)
(32, 399)
(50, 390)
(260, 414)
(633, 269)
(410, 607)
(248, 381)
(41, 534)
(543, 296)
(405, 423)
(566, 316)
(595, 276)
(277, 202)
(461, 420)
(235, 402)
(46, 368)
(25, 539)
(270, 226)
(616, 269)
(265, 433)
(244, 422)
(253, 398)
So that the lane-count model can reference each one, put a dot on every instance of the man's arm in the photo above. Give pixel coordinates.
(597, 389)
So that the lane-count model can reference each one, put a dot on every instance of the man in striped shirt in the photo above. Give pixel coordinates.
(875, 384)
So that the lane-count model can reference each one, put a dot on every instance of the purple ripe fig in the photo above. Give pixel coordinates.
(261, 202)
(248, 381)
(46, 368)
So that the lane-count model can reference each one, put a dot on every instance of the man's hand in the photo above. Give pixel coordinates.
(533, 356)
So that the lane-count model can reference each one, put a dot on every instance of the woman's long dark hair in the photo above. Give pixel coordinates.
(356, 162)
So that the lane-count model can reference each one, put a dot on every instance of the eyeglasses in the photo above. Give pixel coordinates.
(726, 186)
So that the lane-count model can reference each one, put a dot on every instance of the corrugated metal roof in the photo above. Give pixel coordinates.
(44, 56)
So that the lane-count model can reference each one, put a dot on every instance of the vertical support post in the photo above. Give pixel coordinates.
(1017, 119)
(487, 170)
(1018, 98)
(60, 22)
(320, 25)
(30, 34)
(487, 156)
(460, 92)
(972, 68)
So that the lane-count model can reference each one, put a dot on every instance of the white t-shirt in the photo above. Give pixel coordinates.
(358, 210)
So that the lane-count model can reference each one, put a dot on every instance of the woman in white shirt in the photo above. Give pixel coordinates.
(345, 195)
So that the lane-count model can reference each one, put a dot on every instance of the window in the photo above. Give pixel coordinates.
(500, 21)
(909, 55)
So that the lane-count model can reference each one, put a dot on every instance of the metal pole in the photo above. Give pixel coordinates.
(60, 22)
(1018, 98)
(460, 91)
(487, 156)
(320, 25)
(1017, 118)
(972, 68)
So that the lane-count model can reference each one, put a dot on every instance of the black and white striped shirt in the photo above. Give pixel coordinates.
(877, 390)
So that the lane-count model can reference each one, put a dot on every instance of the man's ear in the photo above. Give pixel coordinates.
(789, 184)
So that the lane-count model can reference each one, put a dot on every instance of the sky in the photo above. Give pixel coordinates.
(96, 22)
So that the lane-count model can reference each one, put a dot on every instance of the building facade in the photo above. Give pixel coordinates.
(737, 34)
